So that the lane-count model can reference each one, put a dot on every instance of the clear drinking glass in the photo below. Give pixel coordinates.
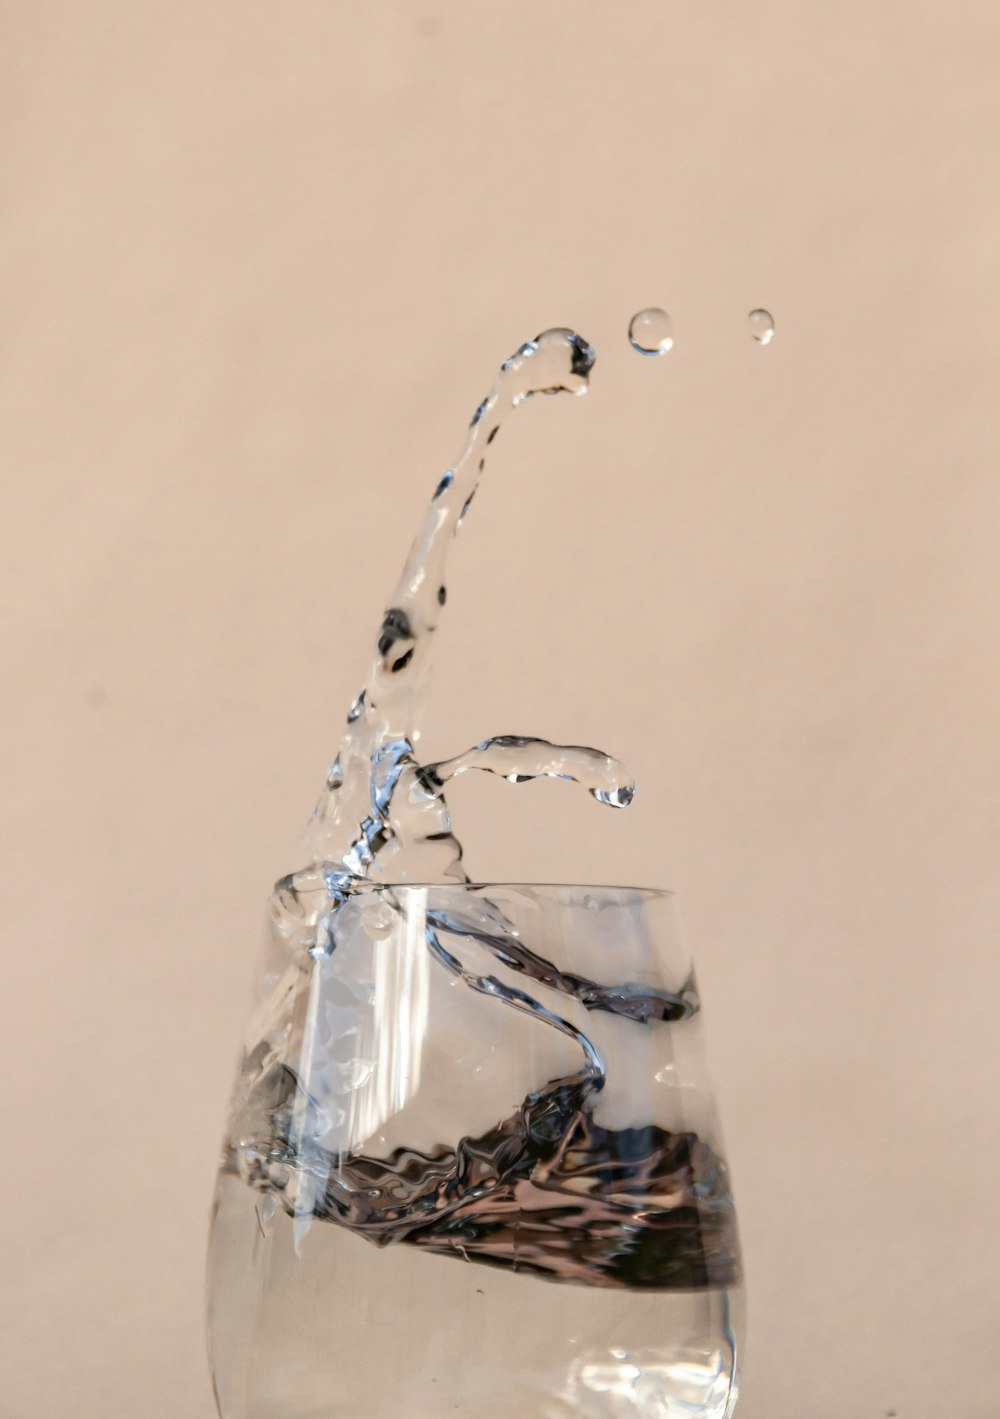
(473, 1167)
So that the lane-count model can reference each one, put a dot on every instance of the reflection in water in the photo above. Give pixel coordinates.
(695, 1378)
(401, 972)
(396, 1021)
(646, 1384)
(365, 1021)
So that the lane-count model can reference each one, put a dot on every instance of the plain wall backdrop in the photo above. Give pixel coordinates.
(258, 262)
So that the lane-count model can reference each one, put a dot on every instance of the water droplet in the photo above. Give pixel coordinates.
(651, 331)
(761, 326)
(619, 797)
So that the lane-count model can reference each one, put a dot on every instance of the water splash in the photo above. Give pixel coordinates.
(382, 815)
(382, 821)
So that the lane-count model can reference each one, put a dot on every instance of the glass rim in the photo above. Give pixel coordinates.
(367, 884)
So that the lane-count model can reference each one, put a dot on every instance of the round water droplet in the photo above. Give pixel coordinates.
(619, 797)
(761, 326)
(651, 331)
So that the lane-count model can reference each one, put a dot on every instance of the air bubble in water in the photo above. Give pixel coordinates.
(761, 326)
(379, 920)
(651, 331)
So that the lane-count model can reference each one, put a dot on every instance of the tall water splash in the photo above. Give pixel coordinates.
(332, 1141)
(383, 820)
(382, 814)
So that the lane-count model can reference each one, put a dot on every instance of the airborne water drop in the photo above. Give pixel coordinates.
(651, 331)
(761, 326)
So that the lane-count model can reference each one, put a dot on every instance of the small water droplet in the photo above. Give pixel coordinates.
(651, 331)
(619, 797)
(761, 326)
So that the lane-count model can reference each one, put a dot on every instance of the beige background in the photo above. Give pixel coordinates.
(260, 261)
